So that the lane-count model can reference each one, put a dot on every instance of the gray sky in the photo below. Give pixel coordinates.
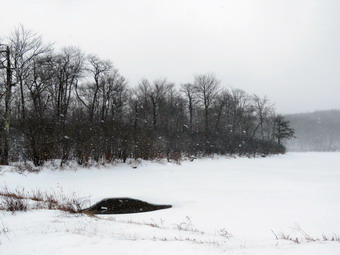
(288, 50)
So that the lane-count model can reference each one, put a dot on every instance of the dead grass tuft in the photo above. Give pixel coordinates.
(305, 237)
(21, 200)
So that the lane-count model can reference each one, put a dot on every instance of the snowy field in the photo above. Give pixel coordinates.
(220, 206)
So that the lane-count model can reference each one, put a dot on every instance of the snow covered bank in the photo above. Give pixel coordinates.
(230, 205)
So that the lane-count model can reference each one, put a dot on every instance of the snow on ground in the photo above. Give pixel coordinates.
(220, 206)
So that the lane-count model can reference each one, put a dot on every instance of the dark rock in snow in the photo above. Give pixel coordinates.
(123, 205)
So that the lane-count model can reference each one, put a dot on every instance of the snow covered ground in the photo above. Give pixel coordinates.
(220, 206)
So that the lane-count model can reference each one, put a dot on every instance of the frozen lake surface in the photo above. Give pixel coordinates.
(220, 205)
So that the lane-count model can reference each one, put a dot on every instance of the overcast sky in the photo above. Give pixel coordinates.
(287, 50)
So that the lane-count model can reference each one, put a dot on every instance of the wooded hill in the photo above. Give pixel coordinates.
(316, 131)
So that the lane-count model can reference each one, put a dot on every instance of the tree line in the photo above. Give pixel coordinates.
(70, 105)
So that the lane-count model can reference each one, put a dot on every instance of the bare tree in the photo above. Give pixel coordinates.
(68, 68)
(98, 68)
(26, 46)
(95, 94)
(158, 92)
(115, 95)
(222, 102)
(39, 80)
(206, 88)
(188, 90)
(262, 110)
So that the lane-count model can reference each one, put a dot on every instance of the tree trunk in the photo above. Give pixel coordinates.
(7, 113)
(23, 110)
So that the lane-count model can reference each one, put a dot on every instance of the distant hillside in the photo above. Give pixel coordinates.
(316, 131)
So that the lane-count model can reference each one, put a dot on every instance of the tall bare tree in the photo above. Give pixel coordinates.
(68, 70)
(206, 88)
(26, 47)
(188, 90)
